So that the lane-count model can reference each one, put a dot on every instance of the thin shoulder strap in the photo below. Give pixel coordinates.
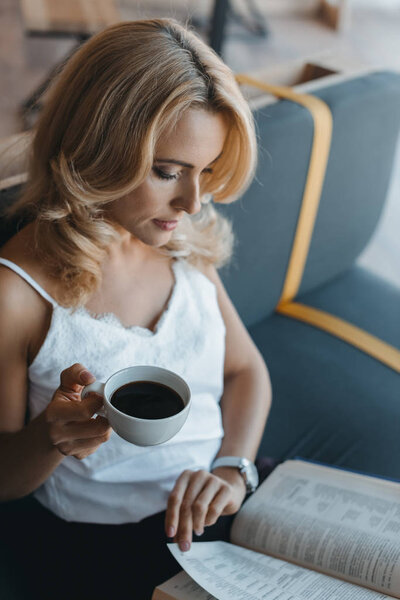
(28, 279)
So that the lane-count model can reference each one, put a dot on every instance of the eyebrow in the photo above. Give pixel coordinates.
(181, 162)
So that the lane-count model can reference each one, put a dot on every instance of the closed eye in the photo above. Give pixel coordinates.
(171, 176)
(163, 175)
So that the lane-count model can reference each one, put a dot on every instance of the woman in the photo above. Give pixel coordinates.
(116, 267)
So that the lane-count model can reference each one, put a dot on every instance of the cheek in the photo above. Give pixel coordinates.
(152, 196)
(137, 204)
(142, 204)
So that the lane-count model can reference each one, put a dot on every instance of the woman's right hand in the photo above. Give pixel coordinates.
(69, 417)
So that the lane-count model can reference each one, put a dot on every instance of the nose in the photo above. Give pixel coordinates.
(189, 198)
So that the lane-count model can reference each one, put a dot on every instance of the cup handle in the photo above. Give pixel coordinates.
(98, 388)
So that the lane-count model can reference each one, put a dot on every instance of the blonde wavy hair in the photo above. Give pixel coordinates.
(96, 138)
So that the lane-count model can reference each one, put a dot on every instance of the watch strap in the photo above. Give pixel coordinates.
(246, 468)
(230, 461)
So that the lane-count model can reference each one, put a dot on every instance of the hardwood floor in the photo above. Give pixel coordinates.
(373, 40)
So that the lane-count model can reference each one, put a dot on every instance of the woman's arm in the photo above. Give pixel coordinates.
(199, 497)
(25, 457)
(30, 453)
(247, 388)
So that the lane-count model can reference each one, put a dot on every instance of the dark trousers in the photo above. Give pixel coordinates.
(52, 559)
(57, 559)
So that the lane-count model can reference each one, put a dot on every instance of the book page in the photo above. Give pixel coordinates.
(181, 587)
(337, 522)
(229, 572)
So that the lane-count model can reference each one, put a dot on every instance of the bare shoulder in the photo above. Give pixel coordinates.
(24, 321)
(17, 297)
(23, 312)
(225, 303)
(209, 270)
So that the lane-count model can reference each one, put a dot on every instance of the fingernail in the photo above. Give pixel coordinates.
(171, 532)
(199, 533)
(184, 546)
(86, 377)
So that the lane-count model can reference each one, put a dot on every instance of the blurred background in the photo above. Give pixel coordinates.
(275, 37)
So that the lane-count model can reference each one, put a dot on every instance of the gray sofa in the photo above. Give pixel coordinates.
(332, 402)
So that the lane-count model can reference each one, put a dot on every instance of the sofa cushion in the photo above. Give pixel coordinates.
(332, 402)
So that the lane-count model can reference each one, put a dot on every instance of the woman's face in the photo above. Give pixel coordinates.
(153, 210)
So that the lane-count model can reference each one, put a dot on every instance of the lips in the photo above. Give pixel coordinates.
(165, 225)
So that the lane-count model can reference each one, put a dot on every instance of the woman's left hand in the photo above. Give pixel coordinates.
(198, 499)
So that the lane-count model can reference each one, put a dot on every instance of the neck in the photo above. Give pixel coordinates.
(127, 248)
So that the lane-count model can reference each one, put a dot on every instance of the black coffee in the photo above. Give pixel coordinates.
(147, 400)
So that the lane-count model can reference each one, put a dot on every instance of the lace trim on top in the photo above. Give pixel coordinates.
(107, 318)
(110, 318)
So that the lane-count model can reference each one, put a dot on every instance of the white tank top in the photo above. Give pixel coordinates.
(121, 482)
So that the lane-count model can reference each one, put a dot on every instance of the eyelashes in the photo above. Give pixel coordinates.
(163, 175)
(172, 176)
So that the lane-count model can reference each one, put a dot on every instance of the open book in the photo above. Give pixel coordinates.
(309, 532)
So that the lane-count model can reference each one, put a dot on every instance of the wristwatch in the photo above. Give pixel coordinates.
(246, 468)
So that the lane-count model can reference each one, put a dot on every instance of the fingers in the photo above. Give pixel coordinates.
(73, 379)
(82, 448)
(198, 499)
(218, 505)
(66, 404)
(79, 439)
(174, 503)
(62, 409)
(201, 504)
(73, 431)
(70, 425)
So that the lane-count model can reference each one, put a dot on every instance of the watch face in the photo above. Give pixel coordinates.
(251, 476)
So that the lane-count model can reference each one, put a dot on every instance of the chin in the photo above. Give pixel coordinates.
(156, 241)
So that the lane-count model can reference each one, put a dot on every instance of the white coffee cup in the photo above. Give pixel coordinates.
(142, 432)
